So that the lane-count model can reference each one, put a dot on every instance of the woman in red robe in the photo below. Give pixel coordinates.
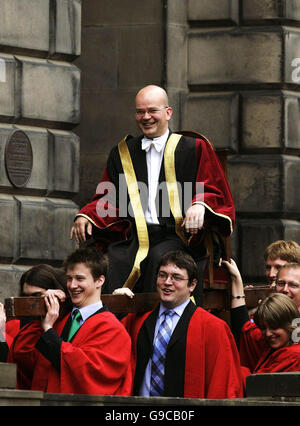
(266, 344)
(33, 283)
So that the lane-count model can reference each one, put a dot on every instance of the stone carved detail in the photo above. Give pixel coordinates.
(18, 158)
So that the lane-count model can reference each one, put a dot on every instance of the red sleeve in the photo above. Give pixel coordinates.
(101, 211)
(133, 324)
(223, 374)
(23, 353)
(283, 360)
(212, 360)
(217, 196)
(12, 328)
(23, 348)
(104, 215)
(252, 345)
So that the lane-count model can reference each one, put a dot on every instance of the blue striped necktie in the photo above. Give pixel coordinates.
(159, 355)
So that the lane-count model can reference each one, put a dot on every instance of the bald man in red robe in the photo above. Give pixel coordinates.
(167, 220)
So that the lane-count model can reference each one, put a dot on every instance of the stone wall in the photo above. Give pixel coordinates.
(39, 98)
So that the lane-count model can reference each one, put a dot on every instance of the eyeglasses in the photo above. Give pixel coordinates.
(151, 111)
(173, 277)
(290, 285)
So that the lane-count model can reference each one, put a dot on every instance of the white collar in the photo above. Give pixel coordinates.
(158, 142)
(89, 310)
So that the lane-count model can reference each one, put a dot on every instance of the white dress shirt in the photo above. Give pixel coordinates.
(154, 154)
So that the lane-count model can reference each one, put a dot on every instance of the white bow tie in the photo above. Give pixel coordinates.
(146, 144)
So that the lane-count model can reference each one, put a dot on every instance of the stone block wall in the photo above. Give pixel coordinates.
(39, 100)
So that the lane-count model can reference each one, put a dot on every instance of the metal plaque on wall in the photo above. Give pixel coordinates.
(18, 158)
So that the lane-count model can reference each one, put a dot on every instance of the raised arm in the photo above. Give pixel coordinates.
(237, 287)
(239, 312)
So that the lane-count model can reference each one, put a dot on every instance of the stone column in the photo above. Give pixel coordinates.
(39, 152)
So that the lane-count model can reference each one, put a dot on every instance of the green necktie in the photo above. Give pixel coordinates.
(75, 324)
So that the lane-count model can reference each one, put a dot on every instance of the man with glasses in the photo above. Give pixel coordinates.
(179, 349)
(176, 187)
(288, 281)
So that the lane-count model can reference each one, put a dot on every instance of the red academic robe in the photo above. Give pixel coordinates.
(195, 161)
(95, 362)
(267, 360)
(252, 345)
(202, 350)
(12, 328)
(24, 377)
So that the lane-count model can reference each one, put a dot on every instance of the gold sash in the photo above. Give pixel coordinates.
(134, 195)
(171, 181)
(139, 216)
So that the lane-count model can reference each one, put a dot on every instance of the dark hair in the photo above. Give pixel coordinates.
(183, 261)
(94, 259)
(44, 276)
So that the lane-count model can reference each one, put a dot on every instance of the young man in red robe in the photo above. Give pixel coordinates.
(201, 359)
(95, 358)
(182, 190)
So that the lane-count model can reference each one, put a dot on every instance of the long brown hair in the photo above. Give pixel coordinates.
(44, 276)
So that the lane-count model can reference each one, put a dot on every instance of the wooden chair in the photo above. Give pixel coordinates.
(216, 283)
